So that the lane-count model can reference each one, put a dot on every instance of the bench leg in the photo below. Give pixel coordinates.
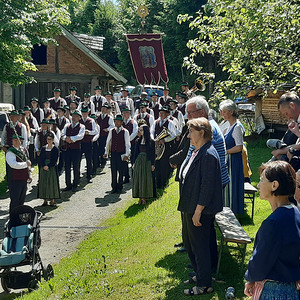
(219, 256)
(253, 199)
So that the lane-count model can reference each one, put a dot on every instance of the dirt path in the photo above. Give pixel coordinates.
(76, 215)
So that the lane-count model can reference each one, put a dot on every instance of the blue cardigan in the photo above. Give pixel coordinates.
(277, 248)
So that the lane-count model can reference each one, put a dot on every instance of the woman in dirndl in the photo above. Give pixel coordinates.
(143, 160)
(234, 195)
(48, 187)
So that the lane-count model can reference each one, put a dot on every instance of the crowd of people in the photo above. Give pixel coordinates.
(145, 141)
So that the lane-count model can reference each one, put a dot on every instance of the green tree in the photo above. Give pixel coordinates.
(255, 42)
(24, 23)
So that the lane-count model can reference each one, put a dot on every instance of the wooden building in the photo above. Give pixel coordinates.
(72, 62)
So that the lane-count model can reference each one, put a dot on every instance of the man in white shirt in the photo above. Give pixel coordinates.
(118, 144)
(87, 103)
(98, 99)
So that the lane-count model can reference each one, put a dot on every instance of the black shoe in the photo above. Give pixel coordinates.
(74, 189)
(113, 191)
(102, 166)
(94, 173)
(126, 180)
(89, 180)
(178, 245)
(192, 274)
(68, 188)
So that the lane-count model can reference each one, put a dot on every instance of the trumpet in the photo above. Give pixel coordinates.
(199, 86)
(160, 148)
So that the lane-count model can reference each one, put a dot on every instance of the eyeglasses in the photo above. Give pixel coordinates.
(193, 111)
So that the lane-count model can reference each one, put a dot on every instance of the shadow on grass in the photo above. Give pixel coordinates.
(10, 296)
(231, 274)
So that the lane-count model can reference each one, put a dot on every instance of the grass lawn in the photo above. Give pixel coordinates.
(134, 257)
(3, 184)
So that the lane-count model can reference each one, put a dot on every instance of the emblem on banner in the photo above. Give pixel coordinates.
(148, 57)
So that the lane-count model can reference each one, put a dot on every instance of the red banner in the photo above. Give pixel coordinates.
(147, 56)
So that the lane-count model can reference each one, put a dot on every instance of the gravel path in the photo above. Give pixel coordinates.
(76, 215)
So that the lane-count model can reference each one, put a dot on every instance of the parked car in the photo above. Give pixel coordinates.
(5, 108)
(149, 89)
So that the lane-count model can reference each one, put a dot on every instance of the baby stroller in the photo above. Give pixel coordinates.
(20, 246)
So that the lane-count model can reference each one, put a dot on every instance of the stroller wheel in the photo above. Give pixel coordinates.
(33, 285)
(4, 285)
(48, 272)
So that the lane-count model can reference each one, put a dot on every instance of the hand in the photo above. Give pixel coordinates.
(68, 140)
(38, 153)
(293, 127)
(28, 163)
(289, 155)
(86, 132)
(104, 155)
(196, 218)
(46, 168)
(298, 285)
(29, 180)
(152, 168)
(105, 130)
(277, 153)
(161, 141)
(248, 290)
(173, 166)
(125, 158)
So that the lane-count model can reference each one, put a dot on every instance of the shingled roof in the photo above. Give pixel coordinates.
(94, 43)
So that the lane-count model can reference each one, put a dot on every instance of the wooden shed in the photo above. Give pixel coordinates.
(72, 62)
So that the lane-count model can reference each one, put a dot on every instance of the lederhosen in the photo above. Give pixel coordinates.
(117, 164)
(86, 146)
(162, 166)
(17, 180)
(73, 156)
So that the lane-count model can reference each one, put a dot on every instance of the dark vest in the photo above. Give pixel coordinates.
(147, 118)
(47, 113)
(103, 123)
(72, 132)
(175, 115)
(30, 123)
(42, 138)
(162, 100)
(129, 126)
(10, 132)
(88, 126)
(55, 105)
(17, 174)
(37, 115)
(97, 103)
(76, 99)
(63, 123)
(118, 141)
(182, 109)
(156, 111)
(158, 128)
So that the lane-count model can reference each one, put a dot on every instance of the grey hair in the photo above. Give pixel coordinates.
(200, 103)
(229, 105)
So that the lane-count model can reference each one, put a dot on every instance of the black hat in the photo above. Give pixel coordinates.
(34, 99)
(118, 118)
(183, 95)
(45, 121)
(66, 107)
(45, 100)
(84, 109)
(26, 108)
(126, 108)
(17, 137)
(108, 93)
(97, 87)
(93, 116)
(86, 95)
(76, 112)
(73, 88)
(106, 105)
(145, 100)
(14, 113)
(56, 89)
(61, 108)
(173, 100)
(52, 121)
(165, 108)
(21, 112)
(143, 103)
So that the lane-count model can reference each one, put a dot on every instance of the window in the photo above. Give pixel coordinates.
(39, 55)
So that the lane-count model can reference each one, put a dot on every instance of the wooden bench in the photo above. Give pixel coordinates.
(249, 193)
(231, 231)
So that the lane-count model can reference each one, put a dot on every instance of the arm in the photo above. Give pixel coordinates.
(108, 144)
(3, 136)
(54, 157)
(12, 161)
(92, 108)
(25, 136)
(172, 130)
(56, 139)
(127, 143)
(80, 135)
(151, 120)
(111, 123)
(94, 129)
(134, 131)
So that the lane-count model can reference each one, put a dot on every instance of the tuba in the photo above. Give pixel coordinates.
(199, 86)
(160, 148)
